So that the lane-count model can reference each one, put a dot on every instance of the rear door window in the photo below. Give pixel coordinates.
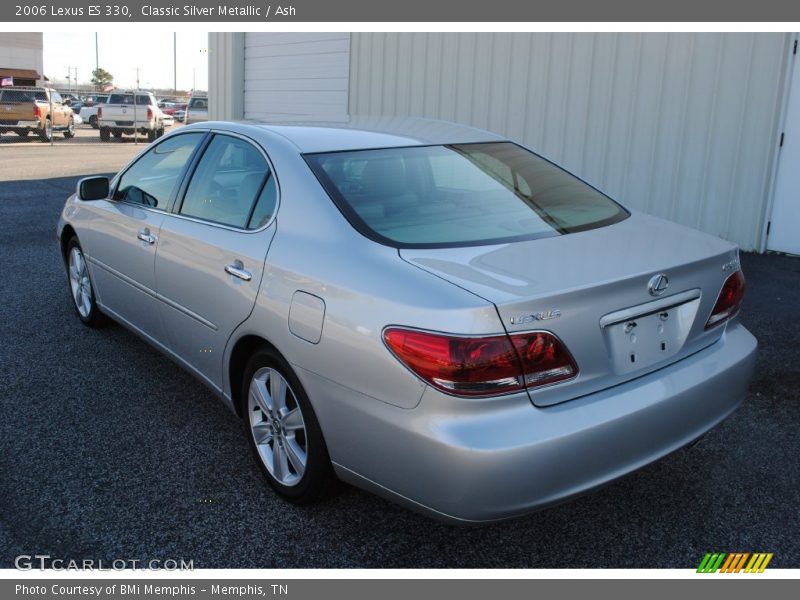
(230, 177)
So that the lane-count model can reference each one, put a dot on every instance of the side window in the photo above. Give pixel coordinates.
(265, 207)
(152, 178)
(56, 97)
(226, 183)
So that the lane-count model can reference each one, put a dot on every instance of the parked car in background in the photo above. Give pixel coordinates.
(461, 326)
(89, 110)
(180, 114)
(196, 110)
(167, 120)
(130, 112)
(68, 98)
(38, 110)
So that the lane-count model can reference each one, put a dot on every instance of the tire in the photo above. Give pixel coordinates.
(93, 122)
(81, 287)
(117, 134)
(160, 132)
(22, 133)
(104, 134)
(151, 135)
(284, 442)
(70, 132)
(46, 134)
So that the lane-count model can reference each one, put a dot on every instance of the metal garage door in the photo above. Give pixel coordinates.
(296, 76)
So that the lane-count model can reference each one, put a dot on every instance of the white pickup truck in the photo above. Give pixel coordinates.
(127, 112)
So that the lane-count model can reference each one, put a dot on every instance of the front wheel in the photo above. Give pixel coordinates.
(283, 430)
(93, 122)
(70, 132)
(80, 285)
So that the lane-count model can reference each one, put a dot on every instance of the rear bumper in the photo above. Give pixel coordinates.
(20, 125)
(470, 461)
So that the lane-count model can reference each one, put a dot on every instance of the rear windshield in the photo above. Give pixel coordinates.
(459, 195)
(198, 103)
(11, 96)
(141, 99)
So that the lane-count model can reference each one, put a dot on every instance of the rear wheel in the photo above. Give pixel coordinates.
(283, 430)
(93, 122)
(70, 132)
(151, 135)
(105, 134)
(46, 134)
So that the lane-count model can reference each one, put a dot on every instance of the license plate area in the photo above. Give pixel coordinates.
(644, 335)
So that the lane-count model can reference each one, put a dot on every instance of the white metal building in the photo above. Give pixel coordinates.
(22, 57)
(686, 126)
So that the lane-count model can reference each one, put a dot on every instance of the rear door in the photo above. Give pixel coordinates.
(212, 251)
(124, 232)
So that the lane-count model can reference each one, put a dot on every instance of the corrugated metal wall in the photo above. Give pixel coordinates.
(680, 125)
(296, 75)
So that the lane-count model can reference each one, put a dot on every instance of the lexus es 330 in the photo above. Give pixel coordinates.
(425, 310)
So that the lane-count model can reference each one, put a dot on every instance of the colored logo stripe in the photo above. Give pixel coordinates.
(734, 562)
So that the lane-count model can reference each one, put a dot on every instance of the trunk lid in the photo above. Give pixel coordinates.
(591, 289)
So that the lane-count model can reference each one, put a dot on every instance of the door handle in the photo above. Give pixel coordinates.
(237, 270)
(145, 236)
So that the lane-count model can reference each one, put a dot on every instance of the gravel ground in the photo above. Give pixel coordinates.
(110, 451)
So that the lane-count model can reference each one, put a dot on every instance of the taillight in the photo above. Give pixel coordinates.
(729, 300)
(37, 112)
(482, 366)
(149, 114)
(99, 113)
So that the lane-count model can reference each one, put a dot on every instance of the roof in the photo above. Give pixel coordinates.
(21, 73)
(361, 133)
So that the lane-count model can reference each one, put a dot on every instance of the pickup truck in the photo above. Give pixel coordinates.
(37, 110)
(89, 111)
(127, 113)
(197, 110)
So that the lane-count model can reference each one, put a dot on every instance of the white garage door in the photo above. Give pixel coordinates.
(296, 76)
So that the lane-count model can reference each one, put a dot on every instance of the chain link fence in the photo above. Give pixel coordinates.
(44, 116)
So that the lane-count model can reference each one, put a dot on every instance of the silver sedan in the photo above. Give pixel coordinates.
(425, 310)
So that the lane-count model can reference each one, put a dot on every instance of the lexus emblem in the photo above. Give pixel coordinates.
(658, 284)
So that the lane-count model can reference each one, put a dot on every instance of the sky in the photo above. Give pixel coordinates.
(120, 54)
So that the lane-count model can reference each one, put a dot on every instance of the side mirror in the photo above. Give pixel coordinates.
(93, 188)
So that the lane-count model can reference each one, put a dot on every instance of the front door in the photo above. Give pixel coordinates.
(124, 233)
(212, 251)
(784, 229)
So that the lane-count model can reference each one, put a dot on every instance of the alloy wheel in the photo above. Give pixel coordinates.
(277, 426)
(80, 283)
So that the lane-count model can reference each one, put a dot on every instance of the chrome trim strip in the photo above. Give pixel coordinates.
(648, 308)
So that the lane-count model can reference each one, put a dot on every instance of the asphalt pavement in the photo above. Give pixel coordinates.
(111, 451)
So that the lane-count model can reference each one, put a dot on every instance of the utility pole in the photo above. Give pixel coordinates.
(175, 62)
(96, 53)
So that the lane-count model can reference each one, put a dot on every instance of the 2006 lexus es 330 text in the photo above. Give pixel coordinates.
(425, 310)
